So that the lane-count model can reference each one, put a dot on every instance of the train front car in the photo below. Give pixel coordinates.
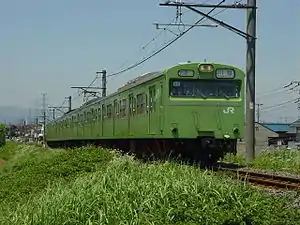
(205, 109)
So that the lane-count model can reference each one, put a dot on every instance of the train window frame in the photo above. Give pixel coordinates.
(115, 108)
(103, 111)
(109, 111)
(221, 96)
(123, 108)
(140, 103)
(99, 113)
(152, 98)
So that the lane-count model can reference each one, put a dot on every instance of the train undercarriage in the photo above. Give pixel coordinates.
(204, 151)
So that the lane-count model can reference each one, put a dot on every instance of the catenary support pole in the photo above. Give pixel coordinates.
(250, 81)
(103, 83)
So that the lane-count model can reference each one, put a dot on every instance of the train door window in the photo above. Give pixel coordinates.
(109, 111)
(131, 105)
(161, 95)
(152, 100)
(122, 108)
(118, 109)
(134, 106)
(103, 111)
(99, 113)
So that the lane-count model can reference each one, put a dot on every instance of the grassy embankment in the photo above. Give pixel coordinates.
(285, 160)
(87, 186)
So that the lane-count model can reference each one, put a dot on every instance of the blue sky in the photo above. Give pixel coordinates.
(48, 46)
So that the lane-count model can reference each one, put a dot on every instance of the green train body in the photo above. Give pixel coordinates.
(197, 106)
(2, 135)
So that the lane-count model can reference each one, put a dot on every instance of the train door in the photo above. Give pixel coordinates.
(161, 108)
(130, 114)
(115, 112)
(152, 122)
(103, 119)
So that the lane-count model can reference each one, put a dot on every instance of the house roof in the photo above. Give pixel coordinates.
(296, 123)
(279, 127)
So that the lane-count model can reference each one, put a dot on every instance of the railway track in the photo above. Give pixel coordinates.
(265, 180)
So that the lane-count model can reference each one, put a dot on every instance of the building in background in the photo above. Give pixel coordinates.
(296, 126)
(274, 134)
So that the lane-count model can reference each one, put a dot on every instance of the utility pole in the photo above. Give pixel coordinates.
(70, 103)
(94, 93)
(103, 83)
(258, 111)
(250, 36)
(58, 109)
(44, 119)
(53, 114)
(250, 81)
(104, 72)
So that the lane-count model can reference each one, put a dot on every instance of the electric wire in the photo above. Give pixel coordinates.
(295, 100)
(168, 44)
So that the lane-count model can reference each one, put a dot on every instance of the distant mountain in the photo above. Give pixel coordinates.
(11, 114)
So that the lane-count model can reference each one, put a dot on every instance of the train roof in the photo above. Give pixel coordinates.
(130, 84)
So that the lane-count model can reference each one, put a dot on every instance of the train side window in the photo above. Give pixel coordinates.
(92, 114)
(140, 103)
(85, 117)
(123, 108)
(152, 100)
(109, 111)
(88, 116)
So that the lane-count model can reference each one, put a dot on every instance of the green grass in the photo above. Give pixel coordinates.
(287, 160)
(94, 186)
(29, 169)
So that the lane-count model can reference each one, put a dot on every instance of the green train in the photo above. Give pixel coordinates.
(191, 109)
(2, 135)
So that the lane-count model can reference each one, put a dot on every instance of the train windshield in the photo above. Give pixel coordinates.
(205, 88)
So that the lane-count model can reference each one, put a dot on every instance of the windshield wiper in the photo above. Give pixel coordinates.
(224, 95)
(203, 95)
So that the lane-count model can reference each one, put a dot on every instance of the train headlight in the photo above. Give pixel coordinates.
(206, 68)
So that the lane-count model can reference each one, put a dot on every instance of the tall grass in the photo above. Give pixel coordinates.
(287, 160)
(29, 169)
(121, 190)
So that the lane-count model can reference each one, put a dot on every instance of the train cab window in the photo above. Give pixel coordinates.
(205, 88)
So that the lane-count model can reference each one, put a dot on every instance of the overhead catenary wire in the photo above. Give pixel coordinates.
(288, 88)
(295, 100)
(141, 49)
(152, 40)
(169, 43)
